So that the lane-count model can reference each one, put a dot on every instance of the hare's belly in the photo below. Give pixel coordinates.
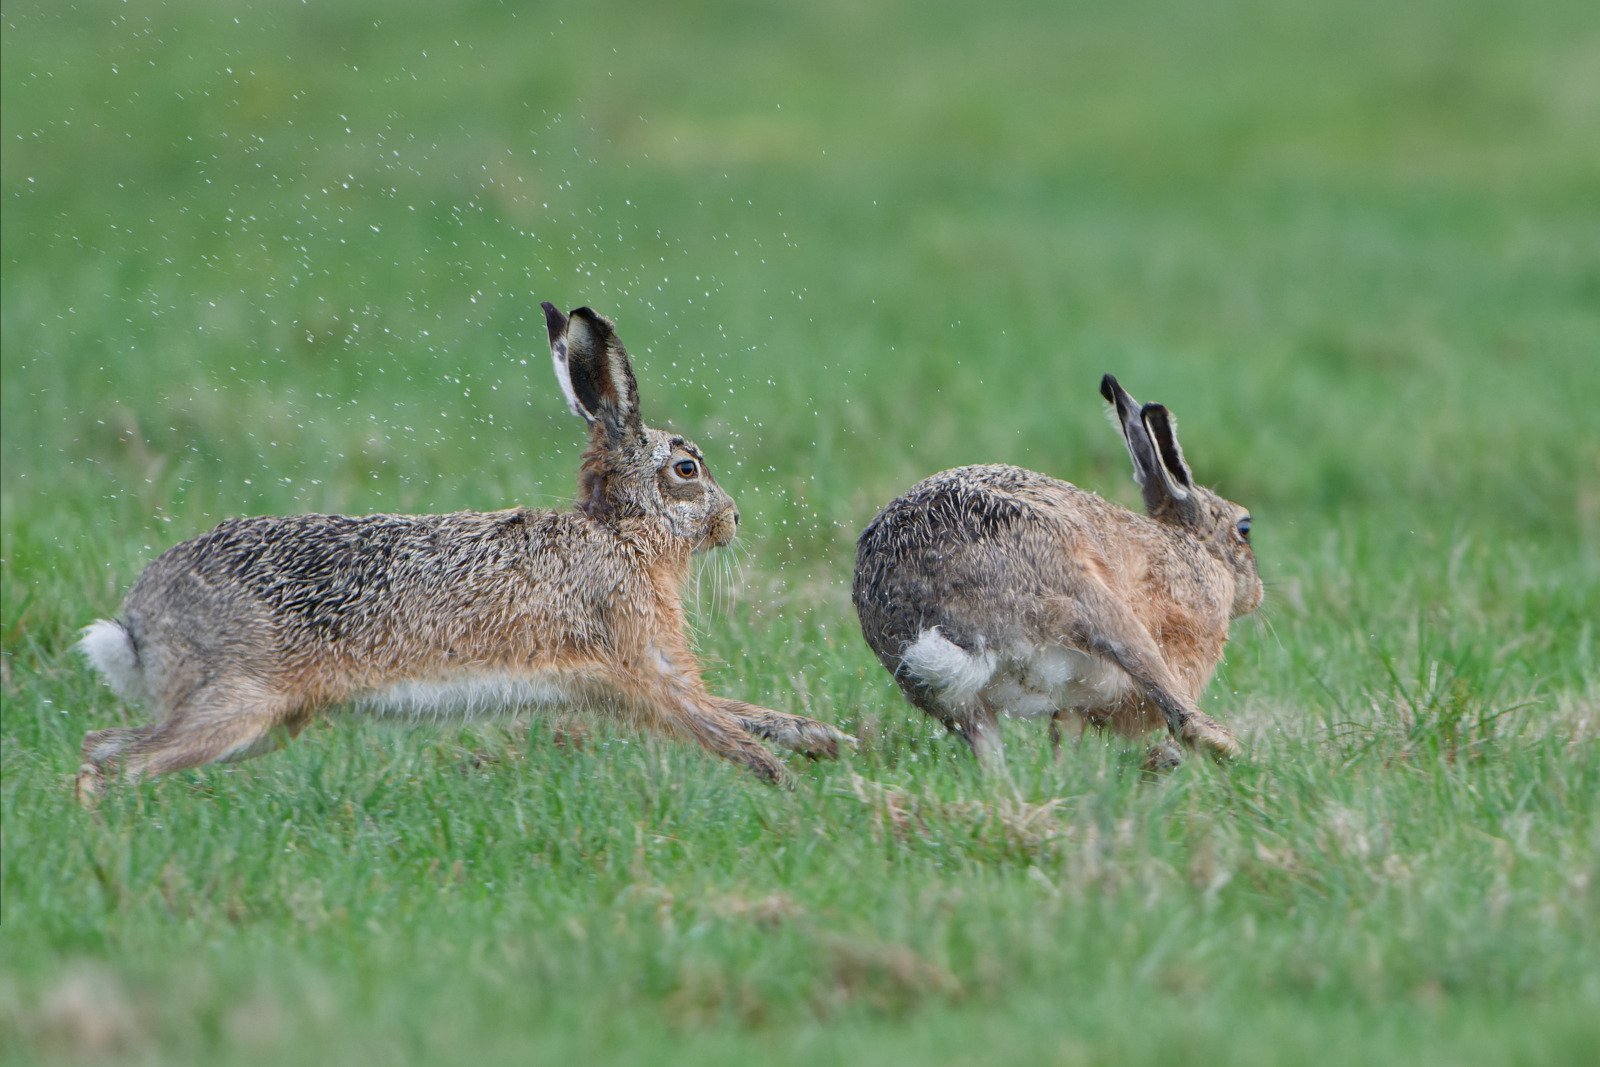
(1035, 681)
(1020, 680)
(462, 696)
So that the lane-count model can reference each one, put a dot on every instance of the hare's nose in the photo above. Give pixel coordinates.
(736, 518)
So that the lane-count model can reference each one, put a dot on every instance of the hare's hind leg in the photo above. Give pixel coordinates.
(972, 720)
(794, 732)
(1066, 724)
(979, 727)
(221, 722)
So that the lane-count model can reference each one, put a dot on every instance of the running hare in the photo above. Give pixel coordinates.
(989, 590)
(238, 637)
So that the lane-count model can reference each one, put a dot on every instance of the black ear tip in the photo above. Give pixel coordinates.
(601, 329)
(554, 321)
(1108, 388)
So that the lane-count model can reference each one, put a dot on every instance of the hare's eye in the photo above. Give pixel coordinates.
(685, 468)
(1244, 527)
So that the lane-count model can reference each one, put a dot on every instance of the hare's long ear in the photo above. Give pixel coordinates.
(1146, 467)
(594, 372)
(1163, 430)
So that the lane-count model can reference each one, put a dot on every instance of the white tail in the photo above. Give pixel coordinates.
(944, 666)
(108, 647)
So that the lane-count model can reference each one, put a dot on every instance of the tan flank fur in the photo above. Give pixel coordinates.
(235, 639)
(993, 590)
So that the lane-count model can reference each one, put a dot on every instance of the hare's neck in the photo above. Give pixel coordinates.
(664, 564)
(659, 551)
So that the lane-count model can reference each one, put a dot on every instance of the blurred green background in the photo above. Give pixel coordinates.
(1353, 246)
(288, 257)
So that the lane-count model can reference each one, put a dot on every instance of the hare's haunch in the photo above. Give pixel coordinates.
(993, 590)
(235, 639)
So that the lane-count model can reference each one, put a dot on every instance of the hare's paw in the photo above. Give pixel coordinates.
(1204, 734)
(764, 765)
(102, 754)
(89, 785)
(815, 739)
(795, 732)
(1163, 756)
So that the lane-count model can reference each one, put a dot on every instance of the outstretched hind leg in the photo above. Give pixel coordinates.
(219, 724)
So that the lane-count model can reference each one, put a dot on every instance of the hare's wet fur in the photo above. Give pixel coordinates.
(993, 590)
(237, 638)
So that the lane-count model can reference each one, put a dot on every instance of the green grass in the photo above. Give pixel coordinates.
(275, 258)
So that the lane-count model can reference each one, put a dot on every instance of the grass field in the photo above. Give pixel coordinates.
(272, 258)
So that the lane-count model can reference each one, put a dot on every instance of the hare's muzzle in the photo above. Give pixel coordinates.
(723, 528)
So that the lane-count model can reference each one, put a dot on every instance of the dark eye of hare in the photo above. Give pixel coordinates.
(685, 468)
(1244, 527)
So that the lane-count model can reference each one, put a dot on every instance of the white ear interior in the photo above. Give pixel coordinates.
(1175, 472)
(579, 335)
(1174, 490)
(1115, 419)
(558, 356)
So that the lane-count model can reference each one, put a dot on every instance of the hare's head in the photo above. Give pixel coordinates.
(629, 470)
(1171, 496)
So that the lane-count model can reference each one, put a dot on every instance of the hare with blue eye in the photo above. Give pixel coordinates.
(993, 590)
(237, 638)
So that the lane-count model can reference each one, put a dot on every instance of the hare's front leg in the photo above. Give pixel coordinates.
(796, 733)
(676, 702)
(1107, 627)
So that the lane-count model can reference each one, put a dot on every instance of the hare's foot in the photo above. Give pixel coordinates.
(89, 785)
(794, 732)
(750, 754)
(1204, 734)
(1066, 725)
(102, 751)
(1163, 756)
(979, 727)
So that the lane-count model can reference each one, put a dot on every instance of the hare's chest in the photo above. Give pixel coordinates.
(464, 696)
(1039, 680)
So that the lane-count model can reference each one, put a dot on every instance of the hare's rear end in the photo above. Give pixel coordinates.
(238, 637)
(993, 590)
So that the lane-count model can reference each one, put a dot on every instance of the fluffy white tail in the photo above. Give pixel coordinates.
(945, 667)
(107, 645)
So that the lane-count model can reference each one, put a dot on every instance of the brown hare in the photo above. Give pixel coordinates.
(235, 639)
(994, 590)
